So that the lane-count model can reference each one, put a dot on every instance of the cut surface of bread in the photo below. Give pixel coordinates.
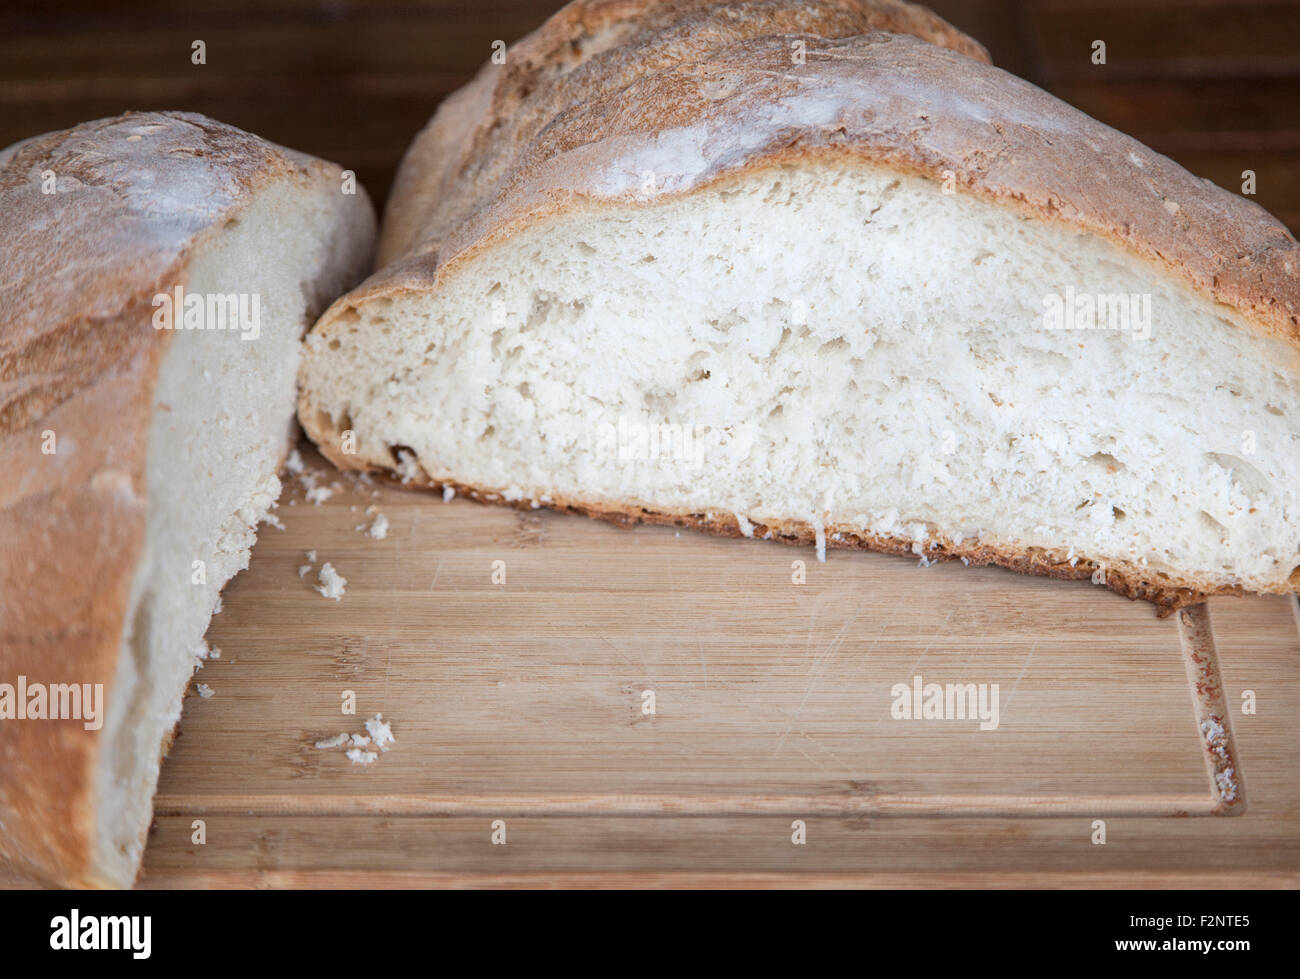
(167, 444)
(842, 302)
(222, 424)
(793, 349)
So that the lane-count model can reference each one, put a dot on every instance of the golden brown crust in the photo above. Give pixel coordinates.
(81, 526)
(1131, 580)
(601, 51)
(135, 195)
(549, 131)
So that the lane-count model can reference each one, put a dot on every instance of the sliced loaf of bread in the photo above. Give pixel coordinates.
(159, 270)
(752, 268)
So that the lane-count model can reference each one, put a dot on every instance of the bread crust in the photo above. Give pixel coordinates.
(1168, 593)
(675, 92)
(600, 52)
(136, 195)
(548, 132)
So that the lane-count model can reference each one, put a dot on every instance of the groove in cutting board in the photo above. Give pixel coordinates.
(773, 697)
(1226, 783)
(700, 804)
(1213, 719)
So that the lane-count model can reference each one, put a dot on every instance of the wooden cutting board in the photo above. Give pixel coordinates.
(515, 655)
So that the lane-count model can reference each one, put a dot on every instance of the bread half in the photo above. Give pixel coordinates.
(138, 454)
(851, 290)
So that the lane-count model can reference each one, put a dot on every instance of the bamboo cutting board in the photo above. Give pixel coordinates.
(520, 708)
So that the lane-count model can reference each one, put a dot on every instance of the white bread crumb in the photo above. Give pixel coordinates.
(407, 467)
(293, 465)
(380, 736)
(204, 690)
(201, 653)
(331, 582)
(448, 494)
(381, 731)
(319, 494)
(1216, 736)
(379, 529)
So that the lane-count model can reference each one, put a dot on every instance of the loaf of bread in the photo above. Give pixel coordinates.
(158, 272)
(817, 272)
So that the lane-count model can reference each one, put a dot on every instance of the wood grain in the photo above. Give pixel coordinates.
(522, 702)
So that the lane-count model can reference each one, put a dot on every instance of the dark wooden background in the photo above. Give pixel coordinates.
(1213, 83)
